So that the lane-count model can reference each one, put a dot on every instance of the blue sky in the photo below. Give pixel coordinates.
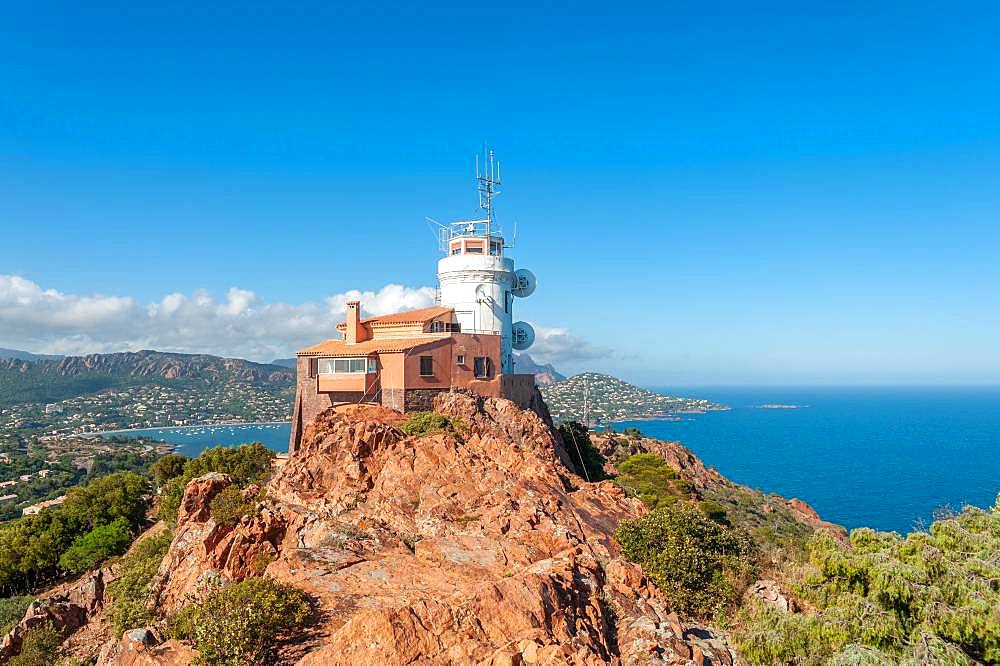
(708, 194)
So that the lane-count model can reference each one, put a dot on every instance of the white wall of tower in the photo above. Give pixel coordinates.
(478, 287)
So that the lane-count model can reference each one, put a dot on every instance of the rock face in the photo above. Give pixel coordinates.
(203, 551)
(472, 546)
(66, 610)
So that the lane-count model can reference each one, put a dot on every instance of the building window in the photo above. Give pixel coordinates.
(341, 366)
(474, 249)
(482, 367)
(461, 359)
(457, 249)
(373, 365)
(445, 327)
(495, 248)
(312, 368)
(426, 366)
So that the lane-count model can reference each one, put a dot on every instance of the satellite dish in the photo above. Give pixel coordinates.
(522, 335)
(524, 283)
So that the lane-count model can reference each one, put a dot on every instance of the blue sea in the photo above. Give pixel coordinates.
(192, 440)
(878, 457)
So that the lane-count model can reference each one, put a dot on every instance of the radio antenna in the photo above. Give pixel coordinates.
(488, 180)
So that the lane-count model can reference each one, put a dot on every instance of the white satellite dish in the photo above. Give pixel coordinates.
(522, 335)
(524, 283)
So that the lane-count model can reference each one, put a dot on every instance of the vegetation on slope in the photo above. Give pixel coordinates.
(929, 597)
(130, 594)
(419, 424)
(240, 623)
(31, 547)
(701, 566)
(581, 450)
(59, 474)
(11, 611)
(649, 477)
(246, 464)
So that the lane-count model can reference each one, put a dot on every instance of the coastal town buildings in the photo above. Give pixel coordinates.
(403, 360)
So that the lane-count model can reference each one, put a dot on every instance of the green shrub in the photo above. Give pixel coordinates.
(40, 648)
(632, 433)
(96, 546)
(229, 506)
(701, 566)
(581, 450)
(246, 464)
(168, 467)
(239, 624)
(714, 510)
(419, 424)
(12, 611)
(651, 479)
(931, 597)
(130, 592)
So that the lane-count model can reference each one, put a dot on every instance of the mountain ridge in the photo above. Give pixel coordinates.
(23, 381)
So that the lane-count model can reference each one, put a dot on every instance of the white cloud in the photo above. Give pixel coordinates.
(560, 346)
(241, 325)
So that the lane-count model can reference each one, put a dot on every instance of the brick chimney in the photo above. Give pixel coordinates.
(354, 332)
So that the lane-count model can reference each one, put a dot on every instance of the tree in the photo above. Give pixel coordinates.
(121, 495)
(168, 467)
(97, 545)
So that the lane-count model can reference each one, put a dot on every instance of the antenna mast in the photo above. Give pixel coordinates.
(489, 182)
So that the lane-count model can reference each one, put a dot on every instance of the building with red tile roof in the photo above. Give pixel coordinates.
(402, 360)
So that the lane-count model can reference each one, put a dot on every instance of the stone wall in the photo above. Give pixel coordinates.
(394, 398)
(519, 388)
(421, 400)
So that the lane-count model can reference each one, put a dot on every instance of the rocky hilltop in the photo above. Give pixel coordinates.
(545, 374)
(473, 544)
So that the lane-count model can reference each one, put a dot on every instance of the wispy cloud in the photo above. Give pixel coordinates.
(560, 345)
(240, 324)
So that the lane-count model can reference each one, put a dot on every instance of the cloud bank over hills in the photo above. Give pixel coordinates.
(240, 325)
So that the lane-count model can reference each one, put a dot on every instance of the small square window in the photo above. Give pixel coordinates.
(482, 367)
(426, 366)
(461, 359)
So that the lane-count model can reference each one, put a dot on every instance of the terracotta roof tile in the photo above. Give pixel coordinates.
(420, 316)
(343, 348)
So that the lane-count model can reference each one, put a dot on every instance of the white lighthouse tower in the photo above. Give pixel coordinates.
(478, 280)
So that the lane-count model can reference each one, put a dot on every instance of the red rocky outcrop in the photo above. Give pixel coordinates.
(471, 546)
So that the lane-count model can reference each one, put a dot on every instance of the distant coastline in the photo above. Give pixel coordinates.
(222, 424)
